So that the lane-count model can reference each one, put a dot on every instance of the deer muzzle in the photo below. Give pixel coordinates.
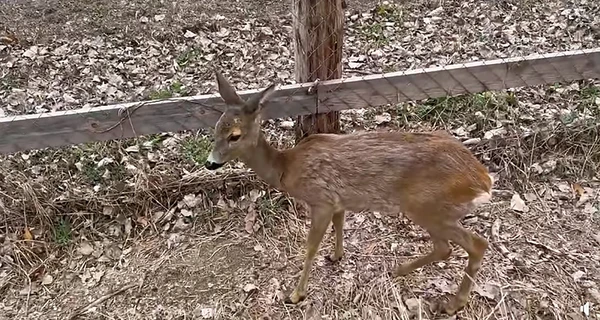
(213, 161)
(212, 165)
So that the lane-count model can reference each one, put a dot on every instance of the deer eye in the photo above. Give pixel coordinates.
(234, 138)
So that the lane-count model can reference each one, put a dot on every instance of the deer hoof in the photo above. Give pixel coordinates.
(295, 298)
(453, 305)
(333, 258)
(401, 270)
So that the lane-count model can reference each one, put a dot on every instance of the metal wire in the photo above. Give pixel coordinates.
(63, 128)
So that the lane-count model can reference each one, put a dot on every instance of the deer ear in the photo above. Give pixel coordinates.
(256, 102)
(227, 92)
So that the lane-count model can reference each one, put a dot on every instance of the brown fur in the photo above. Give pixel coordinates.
(430, 177)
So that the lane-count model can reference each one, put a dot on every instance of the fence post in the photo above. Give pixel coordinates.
(318, 40)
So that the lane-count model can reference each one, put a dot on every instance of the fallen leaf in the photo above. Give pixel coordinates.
(69, 99)
(181, 224)
(188, 34)
(47, 279)
(174, 240)
(288, 125)
(222, 205)
(104, 162)
(159, 17)
(584, 196)
(255, 194)
(31, 53)
(27, 236)
(97, 275)
(564, 187)
(354, 65)
(494, 133)
(134, 148)
(29, 289)
(208, 313)
(378, 53)
(578, 189)
(549, 166)
(108, 211)
(442, 285)
(436, 11)
(597, 237)
(266, 31)
(577, 275)
(488, 290)
(187, 213)
(590, 208)
(348, 275)
(250, 287)
(250, 219)
(517, 204)
(413, 305)
(595, 294)
(383, 118)
(585, 309)
(530, 196)
(472, 141)
(191, 200)
(85, 248)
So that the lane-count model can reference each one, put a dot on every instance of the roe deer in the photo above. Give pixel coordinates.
(430, 177)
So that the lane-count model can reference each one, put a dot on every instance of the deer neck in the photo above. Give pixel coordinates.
(266, 162)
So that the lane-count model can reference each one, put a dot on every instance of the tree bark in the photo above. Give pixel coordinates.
(318, 40)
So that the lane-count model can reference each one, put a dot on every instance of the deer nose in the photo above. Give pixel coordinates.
(212, 165)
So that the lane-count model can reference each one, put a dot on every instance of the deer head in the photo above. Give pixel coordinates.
(238, 129)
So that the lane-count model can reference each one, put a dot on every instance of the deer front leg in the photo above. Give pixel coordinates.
(321, 217)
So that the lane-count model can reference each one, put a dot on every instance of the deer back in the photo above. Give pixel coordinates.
(384, 171)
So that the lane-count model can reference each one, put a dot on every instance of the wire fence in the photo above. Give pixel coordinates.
(318, 58)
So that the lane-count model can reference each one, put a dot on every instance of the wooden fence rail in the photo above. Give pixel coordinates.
(26, 132)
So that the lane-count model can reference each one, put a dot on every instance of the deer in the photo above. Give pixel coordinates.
(429, 177)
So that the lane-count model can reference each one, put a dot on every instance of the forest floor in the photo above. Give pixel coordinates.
(142, 226)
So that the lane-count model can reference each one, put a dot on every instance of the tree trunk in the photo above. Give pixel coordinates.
(318, 40)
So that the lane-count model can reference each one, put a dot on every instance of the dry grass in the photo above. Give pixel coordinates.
(137, 229)
(542, 262)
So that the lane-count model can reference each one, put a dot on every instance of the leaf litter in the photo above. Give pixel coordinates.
(180, 227)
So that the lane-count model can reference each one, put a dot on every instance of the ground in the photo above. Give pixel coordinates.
(137, 229)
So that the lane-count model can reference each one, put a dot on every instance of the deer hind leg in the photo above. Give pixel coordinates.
(320, 219)
(441, 251)
(338, 226)
(475, 246)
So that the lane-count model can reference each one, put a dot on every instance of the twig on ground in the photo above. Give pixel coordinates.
(98, 301)
(501, 247)
(597, 238)
(545, 247)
